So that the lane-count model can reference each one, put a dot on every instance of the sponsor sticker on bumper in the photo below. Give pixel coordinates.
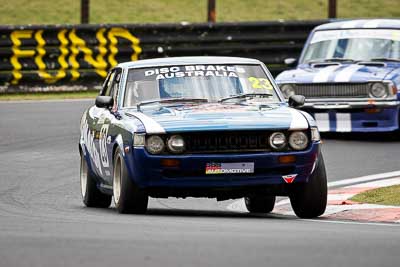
(230, 168)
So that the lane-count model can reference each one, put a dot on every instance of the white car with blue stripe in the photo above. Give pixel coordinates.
(349, 72)
(214, 127)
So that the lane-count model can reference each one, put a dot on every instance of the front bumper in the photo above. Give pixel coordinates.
(147, 171)
(343, 103)
(362, 119)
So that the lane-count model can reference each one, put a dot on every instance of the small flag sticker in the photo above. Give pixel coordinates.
(289, 178)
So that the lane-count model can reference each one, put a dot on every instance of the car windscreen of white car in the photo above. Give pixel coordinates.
(208, 82)
(353, 45)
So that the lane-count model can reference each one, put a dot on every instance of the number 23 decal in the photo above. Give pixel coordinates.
(260, 83)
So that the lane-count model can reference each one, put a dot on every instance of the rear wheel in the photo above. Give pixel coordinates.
(309, 199)
(128, 197)
(91, 195)
(257, 204)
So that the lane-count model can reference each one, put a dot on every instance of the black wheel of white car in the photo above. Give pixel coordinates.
(128, 198)
(257, 204)
(309, 199)
(91, 195)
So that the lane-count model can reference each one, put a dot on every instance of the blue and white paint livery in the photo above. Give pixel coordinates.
(349, 72)
(201, 127)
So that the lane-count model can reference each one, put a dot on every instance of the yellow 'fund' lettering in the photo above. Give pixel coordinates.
(123, 33)
(71, 45)
(41, 52)
(78, 44)
(16, 37)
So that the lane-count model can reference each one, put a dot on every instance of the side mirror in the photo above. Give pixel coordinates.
(104, 101)
(291, 62)
(296, 101)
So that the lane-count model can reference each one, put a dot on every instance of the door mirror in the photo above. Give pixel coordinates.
(104, 101)
(290, 62)
(296, 101)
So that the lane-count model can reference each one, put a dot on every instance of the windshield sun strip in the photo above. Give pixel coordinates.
(263, 67)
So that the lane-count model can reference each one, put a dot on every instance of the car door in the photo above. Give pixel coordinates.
(91, 132)
(107, 117)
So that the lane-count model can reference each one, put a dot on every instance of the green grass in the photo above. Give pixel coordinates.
(384, 196)
(48, 95)
(159, 11)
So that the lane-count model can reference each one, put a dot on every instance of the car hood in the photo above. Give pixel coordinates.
(336, 73)
(213, 117)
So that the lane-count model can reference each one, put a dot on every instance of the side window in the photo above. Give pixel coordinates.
(109, 84)
(103, 87)
(114, 92)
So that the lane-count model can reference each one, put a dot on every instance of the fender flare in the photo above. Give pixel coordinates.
(119, 143)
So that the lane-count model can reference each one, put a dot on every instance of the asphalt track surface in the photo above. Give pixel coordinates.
(44, 223)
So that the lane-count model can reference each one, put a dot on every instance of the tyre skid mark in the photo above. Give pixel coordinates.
(23, 208)
(340, 207)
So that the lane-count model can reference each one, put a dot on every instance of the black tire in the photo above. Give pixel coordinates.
(91, 195)
(260, 204)
(309, 200)
(130, 198)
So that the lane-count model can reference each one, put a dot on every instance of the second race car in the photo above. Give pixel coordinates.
(350, 73)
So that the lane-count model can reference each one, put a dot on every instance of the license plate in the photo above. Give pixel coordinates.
(229, 168)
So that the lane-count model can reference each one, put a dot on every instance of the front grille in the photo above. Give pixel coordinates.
(223, 142)
(333, 90)
(226, 142)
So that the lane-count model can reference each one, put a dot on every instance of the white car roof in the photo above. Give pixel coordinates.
(361, 24)
(186, 61)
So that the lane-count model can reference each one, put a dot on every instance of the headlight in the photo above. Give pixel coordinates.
(378, 90)
(155, 144)
(298, 140)
(315, 134)
(287, 90)
(277, 141)
(176, 144)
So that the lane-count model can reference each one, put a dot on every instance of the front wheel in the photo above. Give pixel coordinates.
(260, 204)
(91, 195)
(128, 197)
(309, 199)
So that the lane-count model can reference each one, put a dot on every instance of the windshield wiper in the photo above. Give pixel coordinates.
(385, 59)
(171, 100)
(245, 95)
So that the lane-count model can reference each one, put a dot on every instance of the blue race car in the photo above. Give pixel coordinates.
(349, 72)
(214, 127)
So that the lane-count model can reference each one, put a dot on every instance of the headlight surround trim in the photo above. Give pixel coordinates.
(298, 140)
(155, 144)
(383, 93)
(176, 144)
(278, 145)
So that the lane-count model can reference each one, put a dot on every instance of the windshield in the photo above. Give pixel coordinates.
(356, 44)
(209, 82)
